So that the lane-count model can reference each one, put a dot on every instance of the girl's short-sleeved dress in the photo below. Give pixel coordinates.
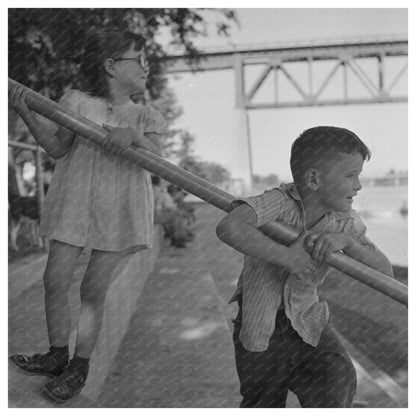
(96, 200)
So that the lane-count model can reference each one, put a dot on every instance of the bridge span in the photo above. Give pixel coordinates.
(319, 73)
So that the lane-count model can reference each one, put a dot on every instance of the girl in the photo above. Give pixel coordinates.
(97, 199)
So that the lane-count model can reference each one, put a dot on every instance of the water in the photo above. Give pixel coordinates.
(379, 208)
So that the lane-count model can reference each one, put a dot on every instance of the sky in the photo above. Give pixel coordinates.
(208, 98)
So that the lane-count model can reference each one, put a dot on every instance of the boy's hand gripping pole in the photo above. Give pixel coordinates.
(191, 183)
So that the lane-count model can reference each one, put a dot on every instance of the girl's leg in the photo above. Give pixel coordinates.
(57, 280)
(94, 287)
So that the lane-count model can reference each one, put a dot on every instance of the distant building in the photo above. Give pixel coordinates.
(392, 178)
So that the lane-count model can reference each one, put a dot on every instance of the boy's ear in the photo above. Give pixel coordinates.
(109, 66)
(312, 179)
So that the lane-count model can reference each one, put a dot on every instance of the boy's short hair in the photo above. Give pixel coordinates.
(318, 143)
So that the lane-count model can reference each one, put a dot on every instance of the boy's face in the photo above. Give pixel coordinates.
(339, 181)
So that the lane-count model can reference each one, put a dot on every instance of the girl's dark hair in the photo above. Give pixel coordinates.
(101, 44)
(320, 143)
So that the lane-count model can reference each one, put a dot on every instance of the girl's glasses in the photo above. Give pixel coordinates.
(140, 60)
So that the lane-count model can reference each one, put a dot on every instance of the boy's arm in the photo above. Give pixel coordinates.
(321, 245)
(369, 256)
(238, 230)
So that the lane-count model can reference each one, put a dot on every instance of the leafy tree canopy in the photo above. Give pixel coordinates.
(210, 171)
(46, 45)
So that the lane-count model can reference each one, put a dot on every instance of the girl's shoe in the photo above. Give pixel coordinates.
(51, 364)
(68, 384)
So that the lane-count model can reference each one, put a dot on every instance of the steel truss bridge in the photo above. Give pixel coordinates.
(334, 72)
(366, 60)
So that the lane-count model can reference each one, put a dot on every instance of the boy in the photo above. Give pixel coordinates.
(282, 335)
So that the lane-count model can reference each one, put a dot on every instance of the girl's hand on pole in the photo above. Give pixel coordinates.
(119, 139)
(17, 99)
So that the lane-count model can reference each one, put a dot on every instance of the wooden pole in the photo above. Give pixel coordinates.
(280, 232)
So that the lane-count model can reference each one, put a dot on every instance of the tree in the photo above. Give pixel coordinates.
(45, 45)
(45, 49)
(210, 171)
(269, 181)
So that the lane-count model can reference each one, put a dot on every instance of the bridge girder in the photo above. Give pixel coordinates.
(345, 57)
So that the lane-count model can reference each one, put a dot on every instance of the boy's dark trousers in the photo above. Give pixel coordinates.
(321, 376)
